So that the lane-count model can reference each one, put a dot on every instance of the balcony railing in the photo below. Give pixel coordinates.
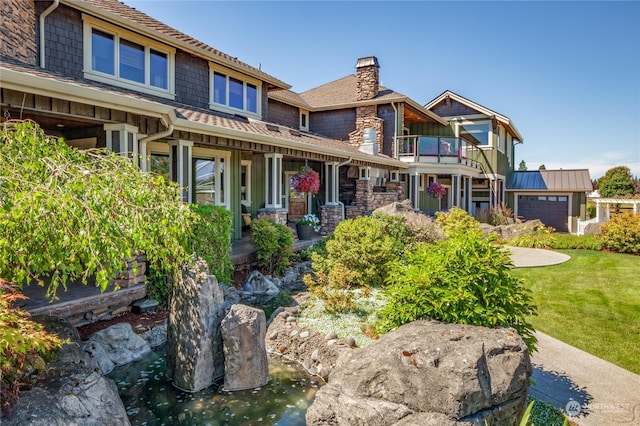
(433, 149)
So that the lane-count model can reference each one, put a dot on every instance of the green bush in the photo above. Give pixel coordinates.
(621, 233)
(23, 344)
(570, 241)
(541, 237)
(273, 243)
(464, 279)
(364, 246)
(210, 239)
(73, 214)
(456, 221)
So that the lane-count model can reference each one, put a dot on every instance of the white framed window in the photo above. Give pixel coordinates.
(477, 132)
(304, 120)
(232, 92)
(365, 173)
(502, 139)
(116, 56)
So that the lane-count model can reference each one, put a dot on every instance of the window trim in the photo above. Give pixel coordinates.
(460, 124)
(90, 23)
(304, 126)
(214, 68)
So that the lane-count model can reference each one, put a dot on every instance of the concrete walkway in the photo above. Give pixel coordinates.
(606, 395)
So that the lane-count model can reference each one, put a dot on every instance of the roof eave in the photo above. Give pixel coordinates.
(114, 18)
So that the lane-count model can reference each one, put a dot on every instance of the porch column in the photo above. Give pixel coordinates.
(123, 140)
(455, 188)
(180, 170)
(331, 182)
(273, 181)
(414, 190)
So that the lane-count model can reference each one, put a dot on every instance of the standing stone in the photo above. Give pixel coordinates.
(245, 355)
(194, 344)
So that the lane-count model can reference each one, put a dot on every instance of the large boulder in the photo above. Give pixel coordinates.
(116, 345)
(194, 343)
(428, 372)
(245, 356)
(507, 232)
(72, 392)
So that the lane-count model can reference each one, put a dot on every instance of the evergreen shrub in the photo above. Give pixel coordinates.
(621, 233)
(464, 279)
(273, 243)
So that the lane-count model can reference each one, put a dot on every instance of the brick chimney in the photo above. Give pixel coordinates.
(367, 73)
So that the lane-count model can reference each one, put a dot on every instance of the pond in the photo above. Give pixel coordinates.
(150, 398)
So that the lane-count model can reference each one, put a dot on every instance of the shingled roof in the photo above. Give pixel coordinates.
(133, 19)
(20, 76)
(343, 92)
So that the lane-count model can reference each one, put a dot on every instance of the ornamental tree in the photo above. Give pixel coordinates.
(70, 214)
(617, 182)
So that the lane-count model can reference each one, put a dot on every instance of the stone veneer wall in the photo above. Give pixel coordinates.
(367, 84)
(276, 215)
(367, 117)
(367, 200)
(330, 217)
(18, 31)
(135, 273)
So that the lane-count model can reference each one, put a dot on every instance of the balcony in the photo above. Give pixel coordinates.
(434, 150)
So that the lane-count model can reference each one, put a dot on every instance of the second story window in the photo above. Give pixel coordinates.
(119, 57)
(475, 132)
(232, 92)
(304, 120)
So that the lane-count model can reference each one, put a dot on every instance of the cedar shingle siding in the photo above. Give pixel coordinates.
(284, 114)
(335, 124)
(192, 80)
(455, 109)
(63, 38)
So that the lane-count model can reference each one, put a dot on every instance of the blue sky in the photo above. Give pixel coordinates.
(566, 73)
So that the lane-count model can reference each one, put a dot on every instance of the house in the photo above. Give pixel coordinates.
(464, 146)
(102, 74)
(557, 197)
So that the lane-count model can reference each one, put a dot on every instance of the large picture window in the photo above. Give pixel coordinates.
(119, 57)
(234, 93)
(475, 132)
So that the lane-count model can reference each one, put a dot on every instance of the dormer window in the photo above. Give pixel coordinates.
(115, 56)
(234, 93)
(304, 120)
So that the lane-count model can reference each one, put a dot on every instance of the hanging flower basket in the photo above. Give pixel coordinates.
(308, 180)
(436, 190)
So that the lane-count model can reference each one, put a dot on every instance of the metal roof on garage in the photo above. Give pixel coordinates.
(550, 180)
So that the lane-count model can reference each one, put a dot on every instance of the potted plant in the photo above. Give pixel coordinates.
(309, 222)
(308, 180)
(436, 190)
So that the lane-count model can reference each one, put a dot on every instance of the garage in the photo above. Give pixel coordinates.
(552, 210)
(557, 197)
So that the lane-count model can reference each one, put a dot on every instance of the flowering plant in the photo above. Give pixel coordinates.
(308, 180)
(436, 190)
(311, 220)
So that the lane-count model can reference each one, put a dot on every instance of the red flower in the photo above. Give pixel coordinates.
(436, 190)
(306, 181)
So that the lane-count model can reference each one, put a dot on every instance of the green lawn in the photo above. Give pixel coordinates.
(591, 302)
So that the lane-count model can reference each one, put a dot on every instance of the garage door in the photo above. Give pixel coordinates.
(552, 210)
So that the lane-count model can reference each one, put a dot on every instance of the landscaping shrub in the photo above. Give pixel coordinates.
(210, 239)
(621, 233)
(570, 241)
(24, 346)
(464, 279)
(495, 216)
(363, 246)
(456, 221)
(541, 237)
(273, 243)
(73, 214)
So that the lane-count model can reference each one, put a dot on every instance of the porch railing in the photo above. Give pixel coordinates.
(417, 148)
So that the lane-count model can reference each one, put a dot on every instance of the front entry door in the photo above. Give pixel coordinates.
(297, 203)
